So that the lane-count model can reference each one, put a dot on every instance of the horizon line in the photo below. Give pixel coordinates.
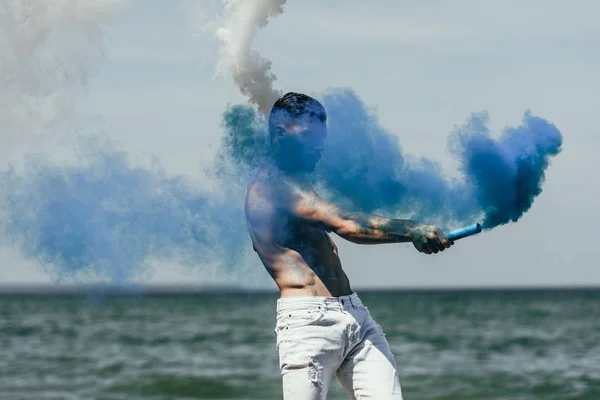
(190, 289)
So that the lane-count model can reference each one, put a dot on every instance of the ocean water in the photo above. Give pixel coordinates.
(540, 344)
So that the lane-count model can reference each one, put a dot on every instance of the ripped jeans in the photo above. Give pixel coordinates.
(319, 337)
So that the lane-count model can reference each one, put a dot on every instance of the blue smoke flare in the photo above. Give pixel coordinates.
(105, 216)
(364, 168)
(507, 174)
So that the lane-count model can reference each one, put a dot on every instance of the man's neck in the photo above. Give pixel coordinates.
(284, 166)
(277, 170)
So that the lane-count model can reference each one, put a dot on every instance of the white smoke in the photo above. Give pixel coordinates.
(236, 30)
(48, 50)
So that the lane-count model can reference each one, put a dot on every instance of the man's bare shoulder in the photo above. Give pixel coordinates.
(272, 191)
(262, 195)
(272, 186)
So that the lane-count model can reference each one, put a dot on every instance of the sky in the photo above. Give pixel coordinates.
(424, 67)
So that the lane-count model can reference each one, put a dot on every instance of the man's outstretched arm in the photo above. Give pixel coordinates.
(365, 228)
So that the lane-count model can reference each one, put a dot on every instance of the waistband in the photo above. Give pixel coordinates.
(326, 303)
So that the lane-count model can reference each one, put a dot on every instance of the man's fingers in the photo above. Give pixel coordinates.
(435, 243)
(423, 249)
(445, 241)
(439, 245)
(432, 247)
(420, 248)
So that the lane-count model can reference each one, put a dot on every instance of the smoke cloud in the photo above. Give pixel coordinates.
(48, 50)
(105, 216)
(102, 215)
(364, 167)
(236, 30)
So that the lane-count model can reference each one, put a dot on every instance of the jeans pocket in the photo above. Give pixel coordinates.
(294, 319)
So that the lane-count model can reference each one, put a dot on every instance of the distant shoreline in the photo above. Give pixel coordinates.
(187, 290)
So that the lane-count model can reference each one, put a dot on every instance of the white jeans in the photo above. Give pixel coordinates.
(319, 337)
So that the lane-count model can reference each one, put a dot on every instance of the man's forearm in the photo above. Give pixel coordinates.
(366, 228)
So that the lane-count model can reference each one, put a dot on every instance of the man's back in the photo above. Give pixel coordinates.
(301, 257)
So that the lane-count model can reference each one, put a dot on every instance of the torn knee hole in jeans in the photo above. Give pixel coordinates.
(314, 371)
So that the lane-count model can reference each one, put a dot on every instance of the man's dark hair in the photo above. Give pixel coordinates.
(291, 106)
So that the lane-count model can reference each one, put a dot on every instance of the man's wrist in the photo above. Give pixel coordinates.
(412, 232)
(409, 229)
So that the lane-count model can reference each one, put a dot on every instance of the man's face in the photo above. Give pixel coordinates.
(302, 142)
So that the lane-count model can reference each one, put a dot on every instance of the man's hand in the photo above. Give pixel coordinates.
(429, 239)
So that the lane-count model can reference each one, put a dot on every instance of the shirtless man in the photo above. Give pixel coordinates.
(322, 327)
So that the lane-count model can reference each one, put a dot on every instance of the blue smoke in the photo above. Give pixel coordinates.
(107, 217)
(364, 168)
(506, 174)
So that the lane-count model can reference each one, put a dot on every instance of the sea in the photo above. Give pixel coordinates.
(449, 344)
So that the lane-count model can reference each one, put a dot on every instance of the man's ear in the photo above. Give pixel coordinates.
(279, 132)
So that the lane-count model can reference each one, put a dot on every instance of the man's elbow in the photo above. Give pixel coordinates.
(348, 229)
(353, 232)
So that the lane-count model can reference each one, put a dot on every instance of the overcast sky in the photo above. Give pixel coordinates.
(425, 66)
